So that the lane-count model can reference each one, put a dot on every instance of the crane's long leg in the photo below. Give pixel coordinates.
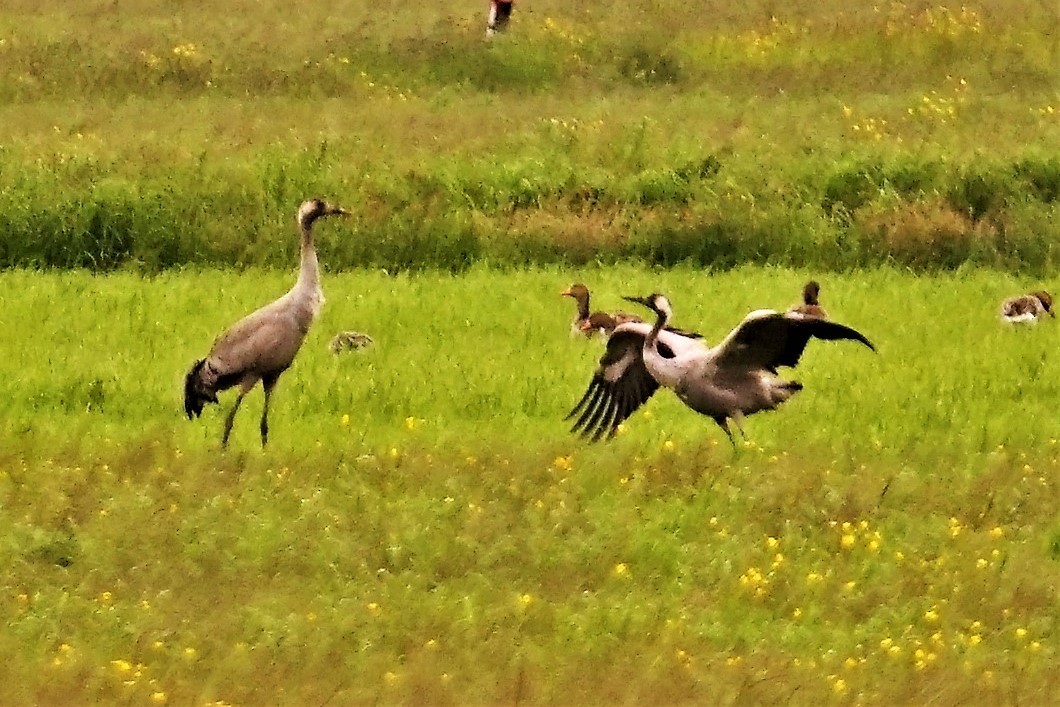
(724, 425)
(267, 384)
(244, 388)
(737, 418)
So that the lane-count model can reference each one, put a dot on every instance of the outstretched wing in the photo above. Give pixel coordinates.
(770, 339)
(620, 385)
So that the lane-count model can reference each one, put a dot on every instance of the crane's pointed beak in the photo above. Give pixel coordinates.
(638, 300)
(566, 293)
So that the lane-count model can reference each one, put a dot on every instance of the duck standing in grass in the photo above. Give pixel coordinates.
(810, 305)
(1027, 309)
(591, 324)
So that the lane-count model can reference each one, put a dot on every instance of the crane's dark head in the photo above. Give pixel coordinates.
(578, 291)
(655, 302)
(312, 209)
(196, 392)
(811, 292)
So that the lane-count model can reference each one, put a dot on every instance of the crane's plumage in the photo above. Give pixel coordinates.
(592, 323)
(725, 382)
(1026, 309)
(262, 345)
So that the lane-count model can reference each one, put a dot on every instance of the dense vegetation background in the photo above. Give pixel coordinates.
(824, 134)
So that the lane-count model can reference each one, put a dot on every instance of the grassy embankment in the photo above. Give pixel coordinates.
(825, 136)
(424, 529)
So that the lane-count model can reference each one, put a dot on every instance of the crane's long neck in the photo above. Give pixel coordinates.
(653, 335)
(309, 273)
(306, 297)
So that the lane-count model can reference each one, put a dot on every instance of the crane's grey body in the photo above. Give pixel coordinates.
(738, 377)
(263, 344)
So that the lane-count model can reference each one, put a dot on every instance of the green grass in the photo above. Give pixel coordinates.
(423, 528)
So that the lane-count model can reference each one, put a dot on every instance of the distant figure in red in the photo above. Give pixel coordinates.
(500, 13)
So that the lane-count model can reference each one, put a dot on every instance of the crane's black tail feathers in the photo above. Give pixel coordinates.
(196, 392)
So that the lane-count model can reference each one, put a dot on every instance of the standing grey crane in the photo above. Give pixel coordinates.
(1026, 309)
(811, 305)
(733, 379)
(593, 323)
(261, 345)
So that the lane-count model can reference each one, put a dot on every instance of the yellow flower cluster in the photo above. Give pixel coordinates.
(563, 463)
(939, 21)
(387, 91)
(186, 51)
(754, 581)
(562, 30)
(942, 107)
(851, 533)
(759, 45)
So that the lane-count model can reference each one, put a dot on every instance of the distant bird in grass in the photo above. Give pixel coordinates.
(811, 305)
(733, 379)
(594, 323)
(1027, 309)
(349, 341)
(261, 346)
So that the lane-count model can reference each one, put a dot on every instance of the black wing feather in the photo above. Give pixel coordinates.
(620, 385)
(778, 339)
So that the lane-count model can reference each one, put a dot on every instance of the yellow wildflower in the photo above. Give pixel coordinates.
(122, 666)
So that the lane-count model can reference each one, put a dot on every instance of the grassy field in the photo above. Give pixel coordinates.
(423, 529)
